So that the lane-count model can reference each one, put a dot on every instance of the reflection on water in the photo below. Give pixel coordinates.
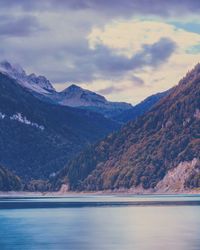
(102, 227)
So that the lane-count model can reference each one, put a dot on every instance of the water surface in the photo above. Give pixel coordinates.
(92, 222)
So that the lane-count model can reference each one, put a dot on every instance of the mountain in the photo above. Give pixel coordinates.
(139, 109)
(38, 138)
(38, 84)
(158, 149)
(73, 96)
(76, 96)
(9, 181)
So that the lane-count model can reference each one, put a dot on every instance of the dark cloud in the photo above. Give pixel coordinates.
(103, 62)
(111, 7)
(110, 90)
(110, 63)
(137, 80)
(63, 54)
(155, 54)
(73, 60)
(18, 26)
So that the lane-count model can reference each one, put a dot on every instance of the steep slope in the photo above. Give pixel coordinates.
(76, 96)
(9, 181)
(185, 176)
(140, 109)
(144, 150)
(38, 138)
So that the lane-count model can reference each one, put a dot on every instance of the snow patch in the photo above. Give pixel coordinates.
(76, 96)
(18, 117)
(36, 83)
(2, 116)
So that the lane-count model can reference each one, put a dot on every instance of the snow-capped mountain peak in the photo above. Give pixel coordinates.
(76, 96)
(35, 83)
(73, 96)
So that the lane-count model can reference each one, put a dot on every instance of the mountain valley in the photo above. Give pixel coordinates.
(143, 152)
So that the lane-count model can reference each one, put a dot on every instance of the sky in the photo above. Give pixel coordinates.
(125, 50)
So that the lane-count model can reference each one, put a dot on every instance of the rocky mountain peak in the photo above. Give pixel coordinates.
(77, 96)
(73, 87)
(74, 95)
(33, 82)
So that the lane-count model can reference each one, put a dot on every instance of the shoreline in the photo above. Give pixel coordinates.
(100, 193)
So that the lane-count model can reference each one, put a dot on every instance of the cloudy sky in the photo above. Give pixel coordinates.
(123, 49)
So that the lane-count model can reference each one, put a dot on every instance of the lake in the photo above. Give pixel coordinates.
(100, 222)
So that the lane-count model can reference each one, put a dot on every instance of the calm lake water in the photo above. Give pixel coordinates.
(101, 223)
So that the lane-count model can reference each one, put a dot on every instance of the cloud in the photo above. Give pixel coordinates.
(117, 46)
(137, 81)
(18, 25)
(110, 90)
(134, 82)
(110, 8)
(104, 63)
(150, 55)
(130, 35)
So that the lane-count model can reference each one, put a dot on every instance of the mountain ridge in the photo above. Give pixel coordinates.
(73, 96)
(141, 108)
(77, 97)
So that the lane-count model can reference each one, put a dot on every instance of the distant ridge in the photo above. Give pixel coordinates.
(77, 97)
(73, 96)
(141, 108)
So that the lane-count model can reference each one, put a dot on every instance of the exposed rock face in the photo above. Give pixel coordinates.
(176, 179)
(64, 188)
(197, 114)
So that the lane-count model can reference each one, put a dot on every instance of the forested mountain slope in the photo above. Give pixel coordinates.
(9, 181)
(144, 150)
(38, 138)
